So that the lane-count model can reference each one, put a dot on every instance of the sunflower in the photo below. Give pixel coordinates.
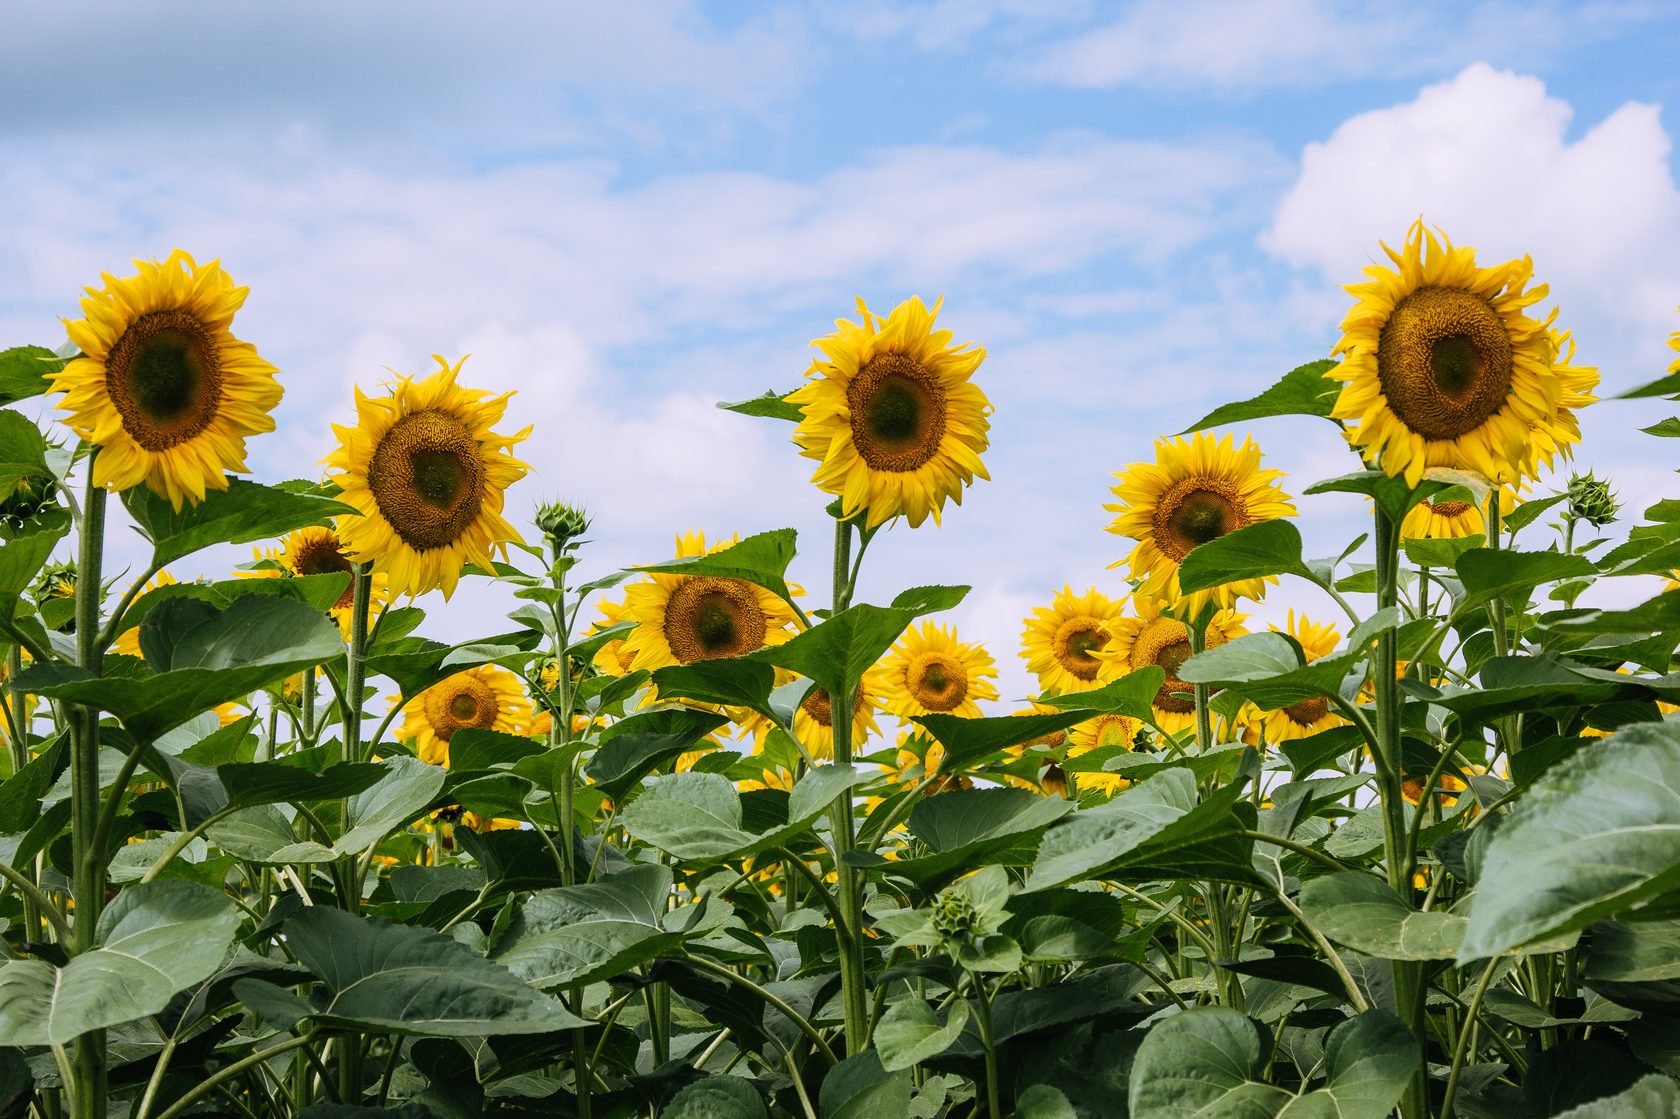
(1061, 640)
(161, 385)
(128, 641)
(610, 658)
(1103, 731)
(1554, 435)
(1046, 748)
(892, 416)
(427, 473)
(1156, 638)
(488, 696)
(1310, 716)
(681, 619)
(1195, 491)
(1444, 367)
(813, 721)
(930, 672)
(319, 551)
(918, 761)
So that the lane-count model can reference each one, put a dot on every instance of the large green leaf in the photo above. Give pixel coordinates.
(859, 1088)
(154, 940)
(23, 555)
(1145, 829)
(762, 559)
(23, 450)
(640, 744)
(1489, 573)
(582, 934)
(1303, 391)
(214, 657)
(698, 816)
(1269, 670)
(1596, 835)
(968, 741)
(716, 1097)
(910, 1032)
(265, 834)
(836, 652)
(772, 405)
(964, 828)
(1651, 1097)
(1132, 695)
(23, 372)
(1264, 548)
(1209, 1062)
(401, 979)
(730, 681)
(240, 514)
(1364, 913)
(1635, 951)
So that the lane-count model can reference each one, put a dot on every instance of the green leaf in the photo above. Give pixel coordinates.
(401, 979)
(1264, 548)
(1209, 1062)
(1489, 573)
(1659, 614)
(730, 681)
(964, 828)
(1142, 829)
(240, 514)
(1303, 391)
(584, 934)
(772, 405)
(1362, 912)
(1595, 836)
(473, 748)
(642, 743)
(1667, 385)
(264, 833)
(217, 656)
(859, 1088)
(910, 1032)
(155, 940)
(1392, 495)
(716, 1097)
(836, 652)
(762, 559)
(1635, 951)
(1044, 1102)
(1267, 668)
(1526, 513)
(23, 450)
(968, 741)
(22, 556)
(698, 816)
(1441, 554)
(1132, 695)
(23, 372)
(17, 1084)
(1651, 1097)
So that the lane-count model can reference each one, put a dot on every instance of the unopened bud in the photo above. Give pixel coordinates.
(1591, 500)
(561, 524)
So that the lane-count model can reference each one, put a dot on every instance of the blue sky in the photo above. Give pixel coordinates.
(629, 212)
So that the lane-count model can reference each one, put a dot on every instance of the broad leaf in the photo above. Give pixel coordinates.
(836, 652)
(1489, 573)
(772, 405)
(968, 741)
(240, 514)
(910, 1032)
(1264, 548)
(762, 559)
(23, 372)
(1596, 835)
(1303, 391)
(859, 1088)
(155, 940)
(964, 828)
(1363, 913)
(716, 1097)
(582, 934)
(1209, 1062)
(401, 979)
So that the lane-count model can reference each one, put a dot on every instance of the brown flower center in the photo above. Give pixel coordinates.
(1195, 511)
(1444, 360)
(459, 702)
(428, 479)
(818, 705)
(898, 413)
(1165, 642)
(1450, 508)
(165, 379)
(1075, 646)
(324, 555)
(709, 617)
(1308, 711)
(937, 682)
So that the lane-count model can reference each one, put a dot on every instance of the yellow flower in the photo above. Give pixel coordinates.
(128, 641)
(813, 721)
(319, 551)
(1450, 519)
(1444, 367)
(488, 696)
(611, 658)
(1047, 747)
(1310, 716)
(681, 619)
(162, 385)
(427, 473)
(892, 415)
(1195, 491)
(1156, 638)
(918, 760)
(1061, 641)
(1104, 730)
(930, 672)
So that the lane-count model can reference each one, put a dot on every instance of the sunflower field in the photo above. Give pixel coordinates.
(693, 841)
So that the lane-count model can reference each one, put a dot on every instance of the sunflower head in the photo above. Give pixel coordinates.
(813, 720)
(488, 697)
(891, 415)
(428, 474)
(1061, 642)
(1154, 637)
(319, 551)
(1195, 491)
(930, 672)
(161, 385)
(1310, 716)
(1443, 366)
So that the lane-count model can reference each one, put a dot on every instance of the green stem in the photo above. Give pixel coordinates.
(18, 705)
(1462, 1049)
(33, 896)
(1200, 693)
(989, 1044)
(849, 936)
(799, 1020)
(560, 733)
(238, 1068)
(306, 706)
(88, 1065)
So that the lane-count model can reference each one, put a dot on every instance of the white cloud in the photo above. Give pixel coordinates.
(1259, 44)
(1489, 157)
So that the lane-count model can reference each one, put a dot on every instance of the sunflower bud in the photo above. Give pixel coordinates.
(1591, 500)
(30, 494)
(561, 524)
(953, 914)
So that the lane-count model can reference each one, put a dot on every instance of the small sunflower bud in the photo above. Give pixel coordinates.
(953, 914)
(57, 580)
(561, 524)
(30, 494)
(1591, 500)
